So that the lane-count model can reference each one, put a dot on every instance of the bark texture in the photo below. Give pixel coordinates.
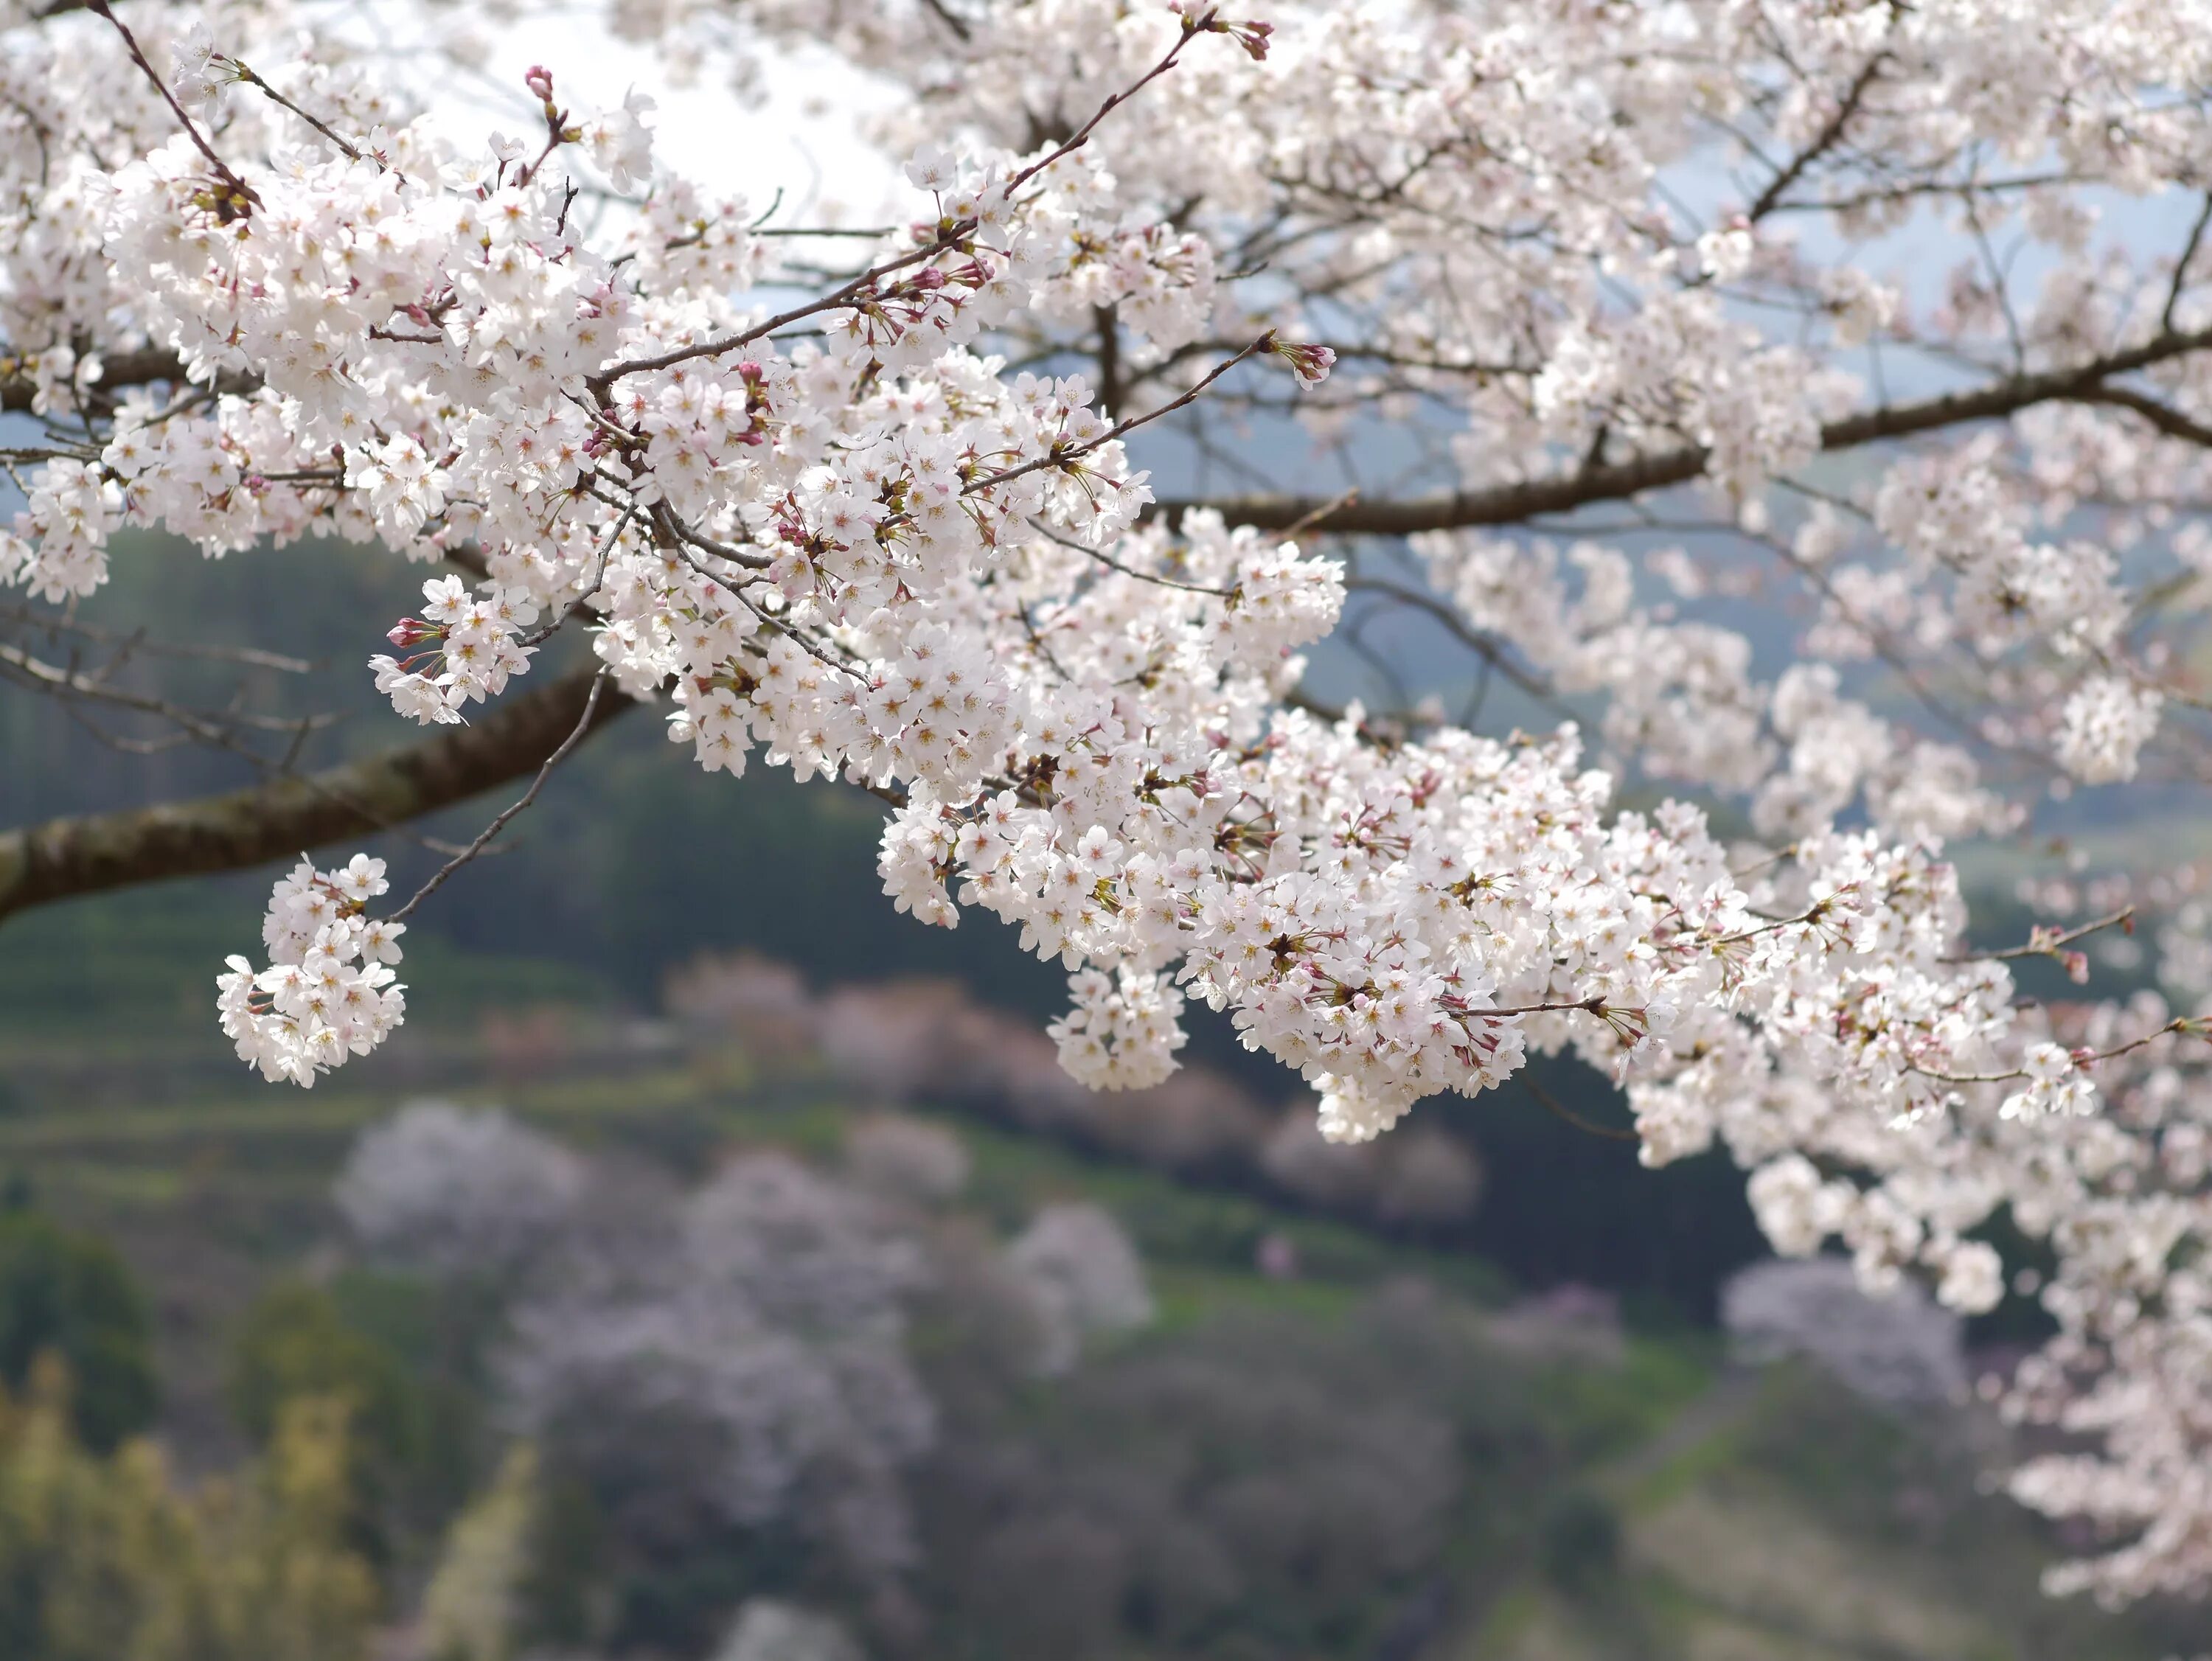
(84, 854)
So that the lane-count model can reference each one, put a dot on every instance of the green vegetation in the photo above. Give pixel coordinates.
(70, 1296)
(104, 1557)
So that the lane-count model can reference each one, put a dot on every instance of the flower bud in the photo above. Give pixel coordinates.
(1309, 363)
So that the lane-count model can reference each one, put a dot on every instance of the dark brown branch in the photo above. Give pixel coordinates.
(1826, 140)
(1108, 360)
(142, 368)
(2180, 282)
(951, 19)
(1509, 503)
(64, 857)
(2164, 416)
(239, 197)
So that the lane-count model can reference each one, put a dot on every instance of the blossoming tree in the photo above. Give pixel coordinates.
(861, 503)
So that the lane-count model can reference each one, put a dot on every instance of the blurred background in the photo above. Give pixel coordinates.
(718, 1268)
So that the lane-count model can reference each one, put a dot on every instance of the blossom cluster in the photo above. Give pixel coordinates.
(329, 992)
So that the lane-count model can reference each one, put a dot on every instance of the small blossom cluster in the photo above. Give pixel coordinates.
(475, 650)
(329, 992)
(2107, 721)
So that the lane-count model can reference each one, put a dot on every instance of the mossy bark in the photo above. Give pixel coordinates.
(84, 854)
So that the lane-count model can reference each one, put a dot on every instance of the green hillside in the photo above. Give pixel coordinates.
(1618, 1493)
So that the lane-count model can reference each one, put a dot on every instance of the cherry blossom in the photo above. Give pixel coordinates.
(887, 514)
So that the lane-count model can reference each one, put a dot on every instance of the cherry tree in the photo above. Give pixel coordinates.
(864, 501)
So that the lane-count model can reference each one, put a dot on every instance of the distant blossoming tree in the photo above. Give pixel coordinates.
(1084, 1275)
(732, 1357)
(863, 501)
(749, 1368)
(450, 1190)
(1898, 1348)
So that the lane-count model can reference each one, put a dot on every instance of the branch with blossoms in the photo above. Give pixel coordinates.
(465, 647)
(2050, 940)
(2083, 382)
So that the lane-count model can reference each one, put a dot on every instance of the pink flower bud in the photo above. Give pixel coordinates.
(539, 80)
(1309, 363)
(1252, 37)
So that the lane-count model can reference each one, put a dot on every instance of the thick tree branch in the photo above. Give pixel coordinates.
(1509, 503)
(117, 369)
(64, 857)
(2164, 416)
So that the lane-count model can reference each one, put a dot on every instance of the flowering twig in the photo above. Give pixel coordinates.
(1061, 455)
(2084, 1059)
(2046, 940)
(241, 197)
(1113, 564)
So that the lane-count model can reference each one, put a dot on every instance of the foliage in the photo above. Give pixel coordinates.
(103, 1559)
(473, 1608)
(1578, 1543)
(294, 1348)
(1136, 1470)
(1254, 1484)
(72, 1295)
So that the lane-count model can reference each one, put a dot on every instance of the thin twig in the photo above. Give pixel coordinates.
(2043, 945)
(1293, 531)
(583, 726)
(248, 655)
(241, 190)
(1552, 1105)
(1112, 564)
(1191, 28)
(1058, 458)
(351, 152)
(539, 637)
(949, 237)
(1481, 644)
(1822, 142)
(2181, 266)
(2082, 1063)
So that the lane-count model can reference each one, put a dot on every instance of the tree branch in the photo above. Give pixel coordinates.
(1509, 503)
(2164, 416)
(64, 857)
(133, 368)
(1828, 136)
